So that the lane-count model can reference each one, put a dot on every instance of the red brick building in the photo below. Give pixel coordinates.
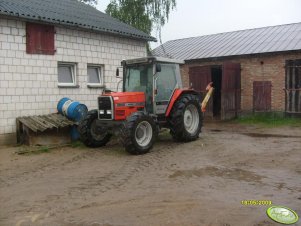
(256, 70)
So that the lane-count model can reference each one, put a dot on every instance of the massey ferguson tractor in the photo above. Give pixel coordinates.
(152, 98)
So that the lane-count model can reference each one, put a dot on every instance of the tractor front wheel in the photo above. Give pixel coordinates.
(138, 133)
(91, 134)
(186, 118)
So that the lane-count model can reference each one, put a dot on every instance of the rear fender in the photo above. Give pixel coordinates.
(177, 93)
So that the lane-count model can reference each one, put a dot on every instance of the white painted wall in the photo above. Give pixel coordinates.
(29, 82)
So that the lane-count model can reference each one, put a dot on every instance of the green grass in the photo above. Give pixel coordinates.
(27, 150)
(77, 144)
(269, 119)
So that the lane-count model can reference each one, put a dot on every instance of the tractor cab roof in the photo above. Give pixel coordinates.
(151, 60)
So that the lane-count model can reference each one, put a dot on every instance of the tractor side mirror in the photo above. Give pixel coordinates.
(158, 68)
(117, 72)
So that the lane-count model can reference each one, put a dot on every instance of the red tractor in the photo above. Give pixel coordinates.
(152, 98)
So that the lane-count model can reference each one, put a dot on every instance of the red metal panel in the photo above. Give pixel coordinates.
(199, 78)
(126, 103)
(231, 90)
(30, 38)
(176, 94)
(262, 97)
(47, 45)
(40, 39)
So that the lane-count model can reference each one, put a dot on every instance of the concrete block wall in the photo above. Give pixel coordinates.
(29, 82)
(255, 68)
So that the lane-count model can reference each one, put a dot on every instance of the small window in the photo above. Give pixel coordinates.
(66, 74)
(95, 75)
(40, 39)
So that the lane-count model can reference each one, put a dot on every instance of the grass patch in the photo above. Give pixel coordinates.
(269, 119)
(33, 150)
(77, 144)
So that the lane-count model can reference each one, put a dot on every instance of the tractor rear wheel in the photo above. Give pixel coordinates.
(91, 134)
(138, 133)
(186, 118)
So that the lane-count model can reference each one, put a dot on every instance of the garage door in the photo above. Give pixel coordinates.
(199, 78)
(231, 90)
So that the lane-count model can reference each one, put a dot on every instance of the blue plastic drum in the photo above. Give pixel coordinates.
(61, 103)
(72, 109)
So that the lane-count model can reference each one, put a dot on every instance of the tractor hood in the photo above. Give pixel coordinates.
(119, 105)
(126, 97)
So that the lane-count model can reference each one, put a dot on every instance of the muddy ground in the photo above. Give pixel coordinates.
(197, 183)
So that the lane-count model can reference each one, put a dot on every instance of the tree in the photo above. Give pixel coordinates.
(145, 15)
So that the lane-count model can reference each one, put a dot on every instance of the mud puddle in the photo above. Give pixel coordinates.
(216, 130)
(264, 135)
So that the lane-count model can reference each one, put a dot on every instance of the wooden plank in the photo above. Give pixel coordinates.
(299, 101)
(44, 117)
(50, 121)
(18, 133)
(287, 70)
(231, 90)
(293, 86)
(293, 101)
(54, 120)
(45, 122)
(61, 120)
(40, 126)
(262, 95)
(199, 78)
(287, 104)
(26, 123)
(292, 89)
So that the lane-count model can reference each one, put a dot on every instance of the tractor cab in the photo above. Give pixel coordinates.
(156, 77)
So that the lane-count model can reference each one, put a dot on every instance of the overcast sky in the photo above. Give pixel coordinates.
(203, 17)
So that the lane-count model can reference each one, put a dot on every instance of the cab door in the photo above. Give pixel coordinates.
(165, 82)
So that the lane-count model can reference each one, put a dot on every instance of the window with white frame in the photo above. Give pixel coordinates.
(95, 75)
(66, 74)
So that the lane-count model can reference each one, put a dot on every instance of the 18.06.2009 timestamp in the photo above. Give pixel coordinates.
(256, 202)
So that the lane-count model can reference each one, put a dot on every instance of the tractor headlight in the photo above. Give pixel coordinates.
(101, 112)
(109, 112)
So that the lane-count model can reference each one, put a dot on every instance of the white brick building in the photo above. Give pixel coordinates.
(32, 84)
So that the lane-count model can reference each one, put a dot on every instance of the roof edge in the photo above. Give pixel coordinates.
(220, 33)
(81, 26)
(243, 55)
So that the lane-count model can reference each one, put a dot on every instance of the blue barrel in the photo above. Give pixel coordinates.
(61, 103)
(72, 109)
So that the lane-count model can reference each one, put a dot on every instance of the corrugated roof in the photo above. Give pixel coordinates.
(70, 13)
(253, 41)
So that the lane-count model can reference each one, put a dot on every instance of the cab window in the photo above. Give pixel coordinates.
(166, 82)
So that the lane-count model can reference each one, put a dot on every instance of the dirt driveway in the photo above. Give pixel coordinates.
(197, 183)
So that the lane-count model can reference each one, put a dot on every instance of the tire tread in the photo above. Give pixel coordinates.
(176, 121)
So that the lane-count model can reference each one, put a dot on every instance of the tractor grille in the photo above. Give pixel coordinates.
(105, 107)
